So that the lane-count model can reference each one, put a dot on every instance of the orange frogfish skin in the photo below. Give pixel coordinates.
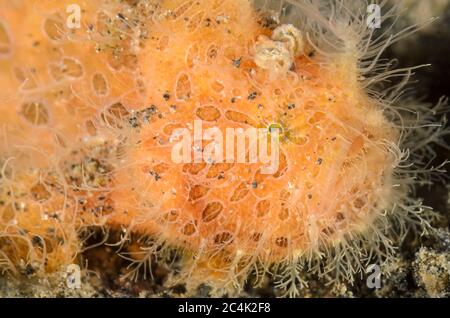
(90, 114)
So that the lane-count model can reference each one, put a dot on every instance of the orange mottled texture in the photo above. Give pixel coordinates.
(333, 160)
(87, 116)
(55, 83)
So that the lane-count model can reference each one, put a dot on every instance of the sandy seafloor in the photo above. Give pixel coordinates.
(422, 265)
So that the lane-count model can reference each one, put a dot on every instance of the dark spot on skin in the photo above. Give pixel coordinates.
(282, 242)
(237, 62)
(54, 216)
(133, 122)
(148, 112)
(252, 96)
(156, 175)
(291, 106)
(319, 161)
(166, 96)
